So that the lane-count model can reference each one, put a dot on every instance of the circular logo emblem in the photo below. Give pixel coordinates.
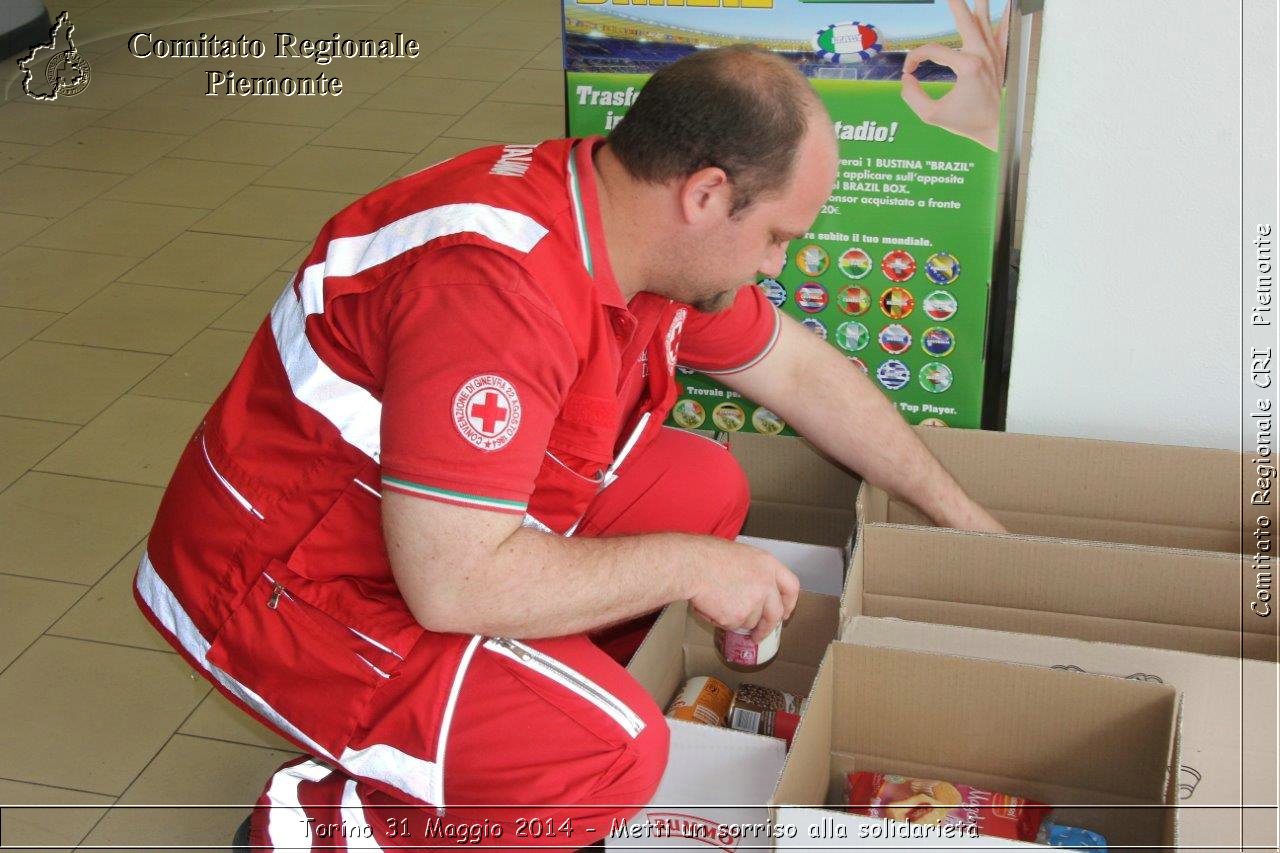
(728, 417)
(812, 260)
(854, 300)
(938, 341)
(940, 305)
(766, 421)
(859, 363)
(689, 414)
(847, 43)
(673, 338)
(936, 377)
(893, 374)
(814, 325)
(773, 291)
(942, 268)
(486, 411)
(933, 422)
(897, 302)
(811, 297)
(855, 263)
(895, 339)
(852, 336)
(898, 266)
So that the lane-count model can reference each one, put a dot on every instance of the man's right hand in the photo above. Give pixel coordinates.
(745, 588)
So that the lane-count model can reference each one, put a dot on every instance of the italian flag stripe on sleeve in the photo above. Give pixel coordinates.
(461, 498)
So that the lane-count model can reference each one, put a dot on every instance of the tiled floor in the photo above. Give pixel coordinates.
(144, 232)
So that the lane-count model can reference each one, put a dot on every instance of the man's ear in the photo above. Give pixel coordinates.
(706, 195)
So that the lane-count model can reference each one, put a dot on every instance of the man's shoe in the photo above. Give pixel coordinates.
(240, 844)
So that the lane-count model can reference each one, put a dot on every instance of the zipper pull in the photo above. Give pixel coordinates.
(274, 601)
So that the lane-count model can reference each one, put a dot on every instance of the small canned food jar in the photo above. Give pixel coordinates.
(765, 711)
(737, 647)
(702, 700)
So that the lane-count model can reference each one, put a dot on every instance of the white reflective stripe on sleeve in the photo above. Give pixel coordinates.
(768, 348)
(533, 523)
(347, 256)
(443, 739)
(356, 831)
(355, 412)
(404, 772)
(287, 827)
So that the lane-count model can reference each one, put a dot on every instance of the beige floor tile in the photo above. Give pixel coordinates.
(441, 149)
(72, 384)
(136, 440)
(12, 153)
(27, 607)
(34, 124)
(195, 81)
(40, 191)
(186, 183)
(306, 112)
(117, 228)
(120, 61)
(108, 613)
(370, 76)
(246, 142)
(510, 122)
(200, 370)
(470, 63)
(386, 130)
(53, 279)
(430, 95)
(217, 718)
(19, 325)
(414, 19)
(533, 87)
(247, 314)
(25, 443)
(111, 91)
(220, 262)
(71, 529)
(16, 228)
(318, 24)
(169, 114)
(291, 266)
(139, 317)
(191, 770)
(91, 715)
(51, 826)
(347, 170)
(529, 10)
(106, 149)
(275, 212)
(550, 58)
(493, 28)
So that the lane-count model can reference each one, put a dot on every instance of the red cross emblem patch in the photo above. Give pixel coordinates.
(486, 411)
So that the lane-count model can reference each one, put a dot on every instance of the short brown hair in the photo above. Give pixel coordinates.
(739, 108)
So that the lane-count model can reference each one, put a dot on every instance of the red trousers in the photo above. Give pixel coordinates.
(530, 762)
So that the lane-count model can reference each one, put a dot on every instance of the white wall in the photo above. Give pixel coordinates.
(1126, 325)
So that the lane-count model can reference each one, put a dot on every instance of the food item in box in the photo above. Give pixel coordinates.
(930, 801)
(737, 647)
(702, 700)
(766, 711)
(1057, 835)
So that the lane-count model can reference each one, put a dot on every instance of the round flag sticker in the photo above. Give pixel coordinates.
(852, 336)
(855, 263)
(773, 291)
(933, 422)
(938, 341)
(854, 300)
(942, 268)
(813, 260)
(847, 43)
(895, 339)
(766, 421)
(935, 377)
(893, 374)
(811, 297)
(859, 363)
(940, 305)
(897, 302)
(728, 417)
(814, 325)
(898, 266)
(689, 414)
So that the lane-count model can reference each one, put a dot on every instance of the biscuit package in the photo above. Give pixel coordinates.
(930, 801)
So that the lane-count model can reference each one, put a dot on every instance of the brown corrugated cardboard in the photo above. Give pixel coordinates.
(1145, 494)
(714, 775)
(797, 494)
(820, 568)
(1086, 743)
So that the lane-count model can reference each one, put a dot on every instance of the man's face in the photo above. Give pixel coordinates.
(732, 251)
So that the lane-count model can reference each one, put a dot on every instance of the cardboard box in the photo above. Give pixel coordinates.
(820, 568)
(1084, 743)
(1143, 494)
(719, 778)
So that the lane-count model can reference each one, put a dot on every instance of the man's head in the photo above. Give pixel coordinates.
(741, 154)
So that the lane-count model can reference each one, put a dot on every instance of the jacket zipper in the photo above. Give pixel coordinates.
(273, 602)
(564, 676)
